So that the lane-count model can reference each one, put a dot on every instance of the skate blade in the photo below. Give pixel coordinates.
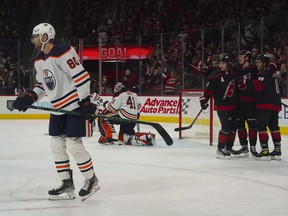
(64, 196)
(223, 157)
(241, 155)
(94, 190)
(278, 158)
(266, 158)
(107, 143)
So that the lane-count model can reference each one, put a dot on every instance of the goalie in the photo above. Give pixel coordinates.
(124, 104)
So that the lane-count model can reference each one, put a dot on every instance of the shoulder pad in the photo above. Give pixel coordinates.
(41, 56)
(231, 71)
(59, 49)
(214, 75)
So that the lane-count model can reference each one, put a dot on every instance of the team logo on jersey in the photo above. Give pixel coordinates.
(49, 79)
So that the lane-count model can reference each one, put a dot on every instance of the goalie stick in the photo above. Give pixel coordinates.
(163, 133)
(189, 126)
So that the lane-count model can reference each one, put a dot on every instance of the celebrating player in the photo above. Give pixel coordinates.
(268, 105)
(246, 111)
(221, 86)
(66, 83)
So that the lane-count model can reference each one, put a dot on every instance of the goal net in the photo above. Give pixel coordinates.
(206, 125)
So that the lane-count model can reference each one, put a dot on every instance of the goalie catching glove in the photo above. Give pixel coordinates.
(203, 103)
(24, 100)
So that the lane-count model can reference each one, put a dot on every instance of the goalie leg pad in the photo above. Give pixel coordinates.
(143, 139)
(107, 131)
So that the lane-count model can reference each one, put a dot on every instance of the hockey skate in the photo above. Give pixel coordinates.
(276, 153)
(253, 151)
(222, 154)
(263, 155)
(64, 192)
(89, 188)
(242, 152)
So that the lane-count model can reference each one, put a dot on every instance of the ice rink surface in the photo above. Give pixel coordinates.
(183, 179)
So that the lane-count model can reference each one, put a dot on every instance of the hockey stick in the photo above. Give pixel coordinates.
(163, 133)
(284, 104)
(189, 126)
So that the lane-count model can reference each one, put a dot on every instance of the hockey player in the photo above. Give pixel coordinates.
(105, 127)
(66, 83)
(124, 105)
(268, 105)
(221, 86)
(246, 111)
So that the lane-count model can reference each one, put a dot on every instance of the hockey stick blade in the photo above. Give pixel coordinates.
(189, 126)
(163, 133)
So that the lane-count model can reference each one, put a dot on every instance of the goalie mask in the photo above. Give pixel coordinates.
(42, 29)
(119, 87)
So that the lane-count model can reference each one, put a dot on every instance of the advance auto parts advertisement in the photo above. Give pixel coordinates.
(159, 105)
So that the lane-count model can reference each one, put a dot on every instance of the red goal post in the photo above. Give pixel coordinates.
(189, 108)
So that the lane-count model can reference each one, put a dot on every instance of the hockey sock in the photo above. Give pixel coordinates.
(242, 134)
(253, 137)
(276, 136)
(222, 139)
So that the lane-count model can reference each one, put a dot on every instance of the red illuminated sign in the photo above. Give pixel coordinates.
(119, 52)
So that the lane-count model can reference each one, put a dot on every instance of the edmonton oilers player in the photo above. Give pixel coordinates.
(66, 83)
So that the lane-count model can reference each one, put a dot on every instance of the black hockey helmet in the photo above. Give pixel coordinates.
(246, 53)
(263, 58)
(223, 58)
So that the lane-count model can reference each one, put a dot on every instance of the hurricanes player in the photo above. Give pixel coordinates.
(268, 105)
(221, 86)
(66, 83)
(246, 112)
(124, 105)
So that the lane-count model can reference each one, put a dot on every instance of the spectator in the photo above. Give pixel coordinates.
(171, 80)
(129, 80)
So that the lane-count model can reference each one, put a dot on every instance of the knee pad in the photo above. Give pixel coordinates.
(240, 124)
(75, 145)
(261, 128)
(58, 144)
(252, 124)
(61, 158)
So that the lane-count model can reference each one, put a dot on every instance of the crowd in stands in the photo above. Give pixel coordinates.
(181, 24)
(125, 20)
(13, 26)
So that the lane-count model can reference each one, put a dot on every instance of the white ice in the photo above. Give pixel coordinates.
(183, 179)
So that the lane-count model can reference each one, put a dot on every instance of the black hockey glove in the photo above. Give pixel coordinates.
(24, 100)
(87, 108)
(203, 103)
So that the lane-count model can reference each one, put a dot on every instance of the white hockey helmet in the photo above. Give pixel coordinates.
(119, 87)
(44, 28)
(41, 29)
